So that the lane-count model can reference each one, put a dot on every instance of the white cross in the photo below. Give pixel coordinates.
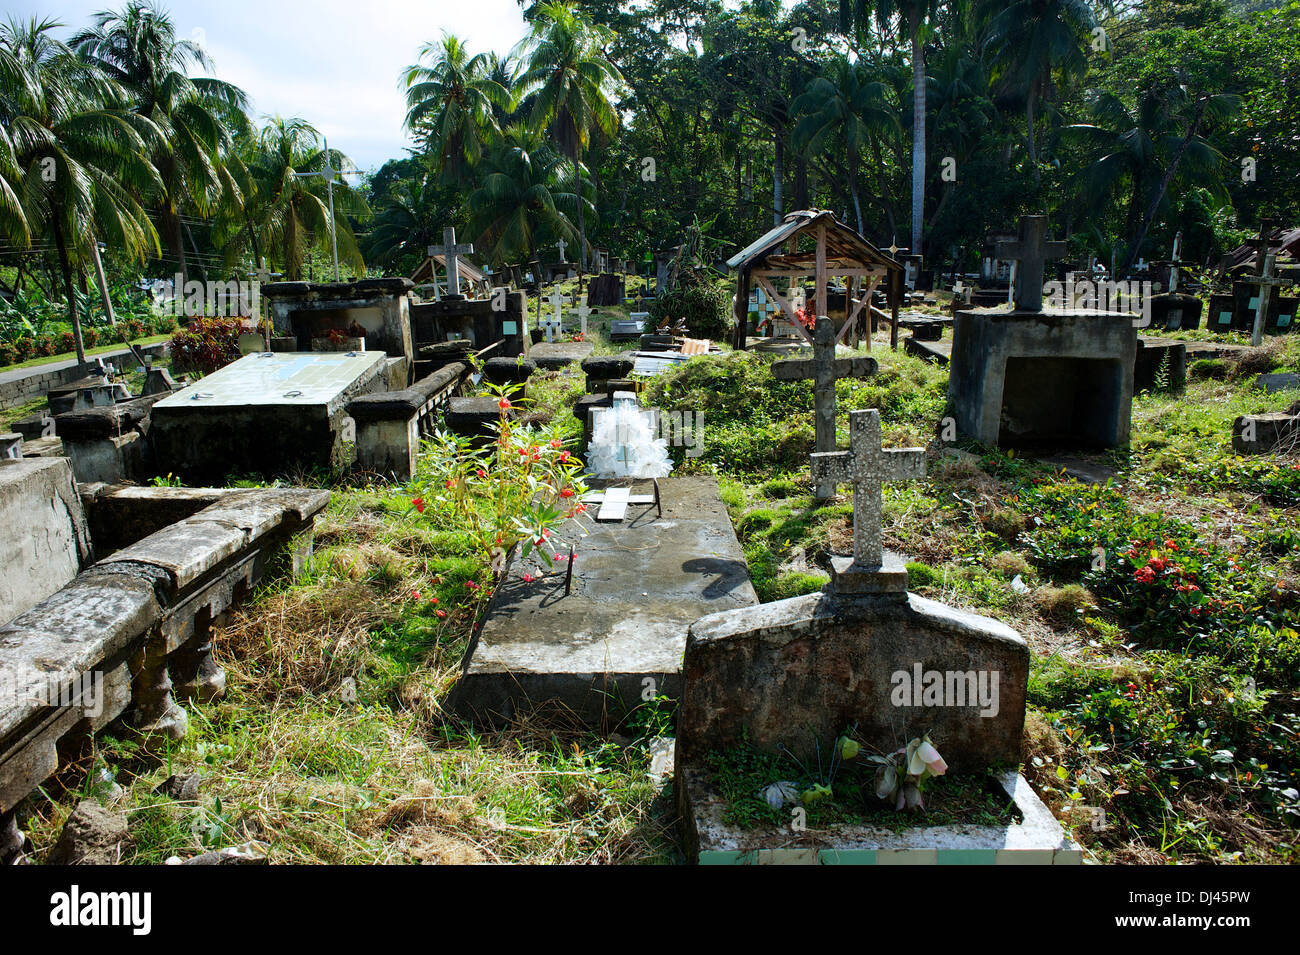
(552, 323)
(1141, 264)
(449, 250)
(561, 245)
(583, 311)
(867, 466)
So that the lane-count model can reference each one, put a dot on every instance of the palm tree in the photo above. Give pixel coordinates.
(287, 212)
(571, 81)
(138, 49)
(521, 198)
(1131, 146)
(843, 103)
(1031, 41)
(82, 159)
(408, 219)
(452, 104)
(857, 15)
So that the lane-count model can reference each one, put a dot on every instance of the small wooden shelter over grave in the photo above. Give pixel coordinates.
(814, 243)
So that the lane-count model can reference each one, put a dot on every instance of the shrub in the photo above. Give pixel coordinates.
(135, 328)
(45, 346)
(68, 341)
(90, 337)
(25, 348)
(8, 353)
(206, 344)
(702, 303)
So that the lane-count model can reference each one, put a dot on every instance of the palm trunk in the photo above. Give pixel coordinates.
(778, 172)
(66, 266)
(582, 225)
(918, 128)
(1029, 125)
(1165, 180)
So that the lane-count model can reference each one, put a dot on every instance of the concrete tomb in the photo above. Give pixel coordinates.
(618, 632)
(109, 605)
(263, 414)
(1032, 376)
(867, 657)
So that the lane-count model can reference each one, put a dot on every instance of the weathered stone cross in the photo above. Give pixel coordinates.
(824, 369)
(561, 245)
(583, 311)
(552, 323)
(1030, 252)
(867, 466)
(449, 250)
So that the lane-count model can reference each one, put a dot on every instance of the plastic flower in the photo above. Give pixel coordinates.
(781, 792)
(923, 758)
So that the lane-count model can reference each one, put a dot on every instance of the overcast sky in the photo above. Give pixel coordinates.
(333, 63)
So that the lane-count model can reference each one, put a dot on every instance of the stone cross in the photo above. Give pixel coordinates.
(583, 311)
(824, 369)
(1267, 281)
(1030, 252)
(867, 466)
(449, 250)
(552, 323)
(561, 245)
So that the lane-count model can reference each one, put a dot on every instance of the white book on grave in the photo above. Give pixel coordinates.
(623, 445)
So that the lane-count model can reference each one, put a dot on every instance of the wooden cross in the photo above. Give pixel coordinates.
(1030, 252)
(1267, 282)
(824, 369)
(1262, 243)
(583, 311)
(867, 466)
(449, 250)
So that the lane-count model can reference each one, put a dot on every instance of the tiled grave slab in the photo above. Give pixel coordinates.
(1037, 839)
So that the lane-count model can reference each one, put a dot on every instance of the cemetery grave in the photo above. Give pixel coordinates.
(716, 505)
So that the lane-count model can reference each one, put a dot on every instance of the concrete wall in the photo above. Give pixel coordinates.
(431, 320)
(44, 541)
(38, 380)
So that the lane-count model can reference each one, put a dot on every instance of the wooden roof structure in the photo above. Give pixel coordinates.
(434, 270)
(837, 252)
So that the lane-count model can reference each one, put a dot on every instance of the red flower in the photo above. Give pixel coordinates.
(504, 403)
(1145, 575)
(440, 614)
(529, 578)
(419, 504)
(434, 601)
(555, 443)
(471, 585)
(564, 456)
(566, 492)
(415, 595)
(481, 473)
(450, 483)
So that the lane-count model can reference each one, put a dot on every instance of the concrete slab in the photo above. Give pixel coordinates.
(637, 586)
(553, 356)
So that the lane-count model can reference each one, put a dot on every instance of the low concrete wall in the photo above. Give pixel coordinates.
(22, 389)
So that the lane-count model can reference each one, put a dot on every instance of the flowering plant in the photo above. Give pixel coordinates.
(517, 492)
(902, 774)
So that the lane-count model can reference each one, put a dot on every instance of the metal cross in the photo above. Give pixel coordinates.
(867, 466)
(330, 173)
(449, 251)
(1030, 251)
(824, 368)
